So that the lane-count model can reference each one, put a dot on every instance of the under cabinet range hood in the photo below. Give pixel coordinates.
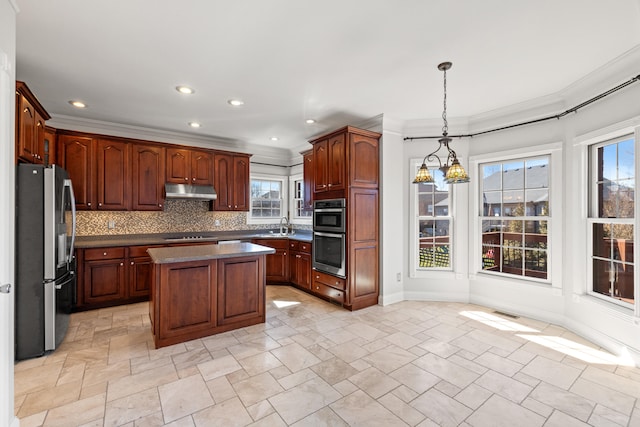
(188, 191)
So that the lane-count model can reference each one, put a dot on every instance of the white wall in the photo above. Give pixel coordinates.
(565, 301)
(7, 206)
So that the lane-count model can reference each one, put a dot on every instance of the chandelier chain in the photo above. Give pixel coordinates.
(445, 127)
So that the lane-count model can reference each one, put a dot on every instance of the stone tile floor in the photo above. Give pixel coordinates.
(315, 364)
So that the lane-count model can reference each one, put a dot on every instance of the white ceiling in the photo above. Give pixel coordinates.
(336, 61)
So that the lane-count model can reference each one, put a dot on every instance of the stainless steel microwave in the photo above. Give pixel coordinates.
(330, 215)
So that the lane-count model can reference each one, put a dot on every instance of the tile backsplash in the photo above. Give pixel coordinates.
(178, 216)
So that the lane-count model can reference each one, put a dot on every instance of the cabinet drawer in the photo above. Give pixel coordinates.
(329, 280)
(273, 243)
(293, 245)
(103, 253)
(140, 251)
(304, 247)
(328, 291)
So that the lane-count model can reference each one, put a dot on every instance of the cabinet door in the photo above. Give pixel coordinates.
(114, 177)
(25, 126)
(75, 154)
(178, 165)
(223, 169)
(307, 177)
(38, 142)
(104, 281)
(277, 264)
(240, 290)
(49, 145)
(148, 164)
(240, 183)
(363, 161)
(337, 163)
(201, 168)
(303, 270)
(140, 271)
(187, 298)
(320, 166)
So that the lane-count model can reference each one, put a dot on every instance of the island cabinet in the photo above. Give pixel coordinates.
(188, 166)
(231, 182)
(204, 290)
(277, 263)
(30, 126)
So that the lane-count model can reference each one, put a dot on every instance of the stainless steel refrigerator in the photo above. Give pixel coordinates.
(45, 264)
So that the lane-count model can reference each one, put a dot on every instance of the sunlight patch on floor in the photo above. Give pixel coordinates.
(496, 321)
(282, 304)
(577, 350)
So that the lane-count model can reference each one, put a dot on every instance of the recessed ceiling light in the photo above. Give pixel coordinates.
(235, 102)
(194, 124)
(309, 121)
(78, 104)
(185, 89)
(274, 138)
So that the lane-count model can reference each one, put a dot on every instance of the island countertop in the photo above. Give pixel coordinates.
(203, 252)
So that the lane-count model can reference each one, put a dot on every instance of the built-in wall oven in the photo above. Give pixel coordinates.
(329, 242)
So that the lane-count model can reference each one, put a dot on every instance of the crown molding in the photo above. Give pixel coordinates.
(263, 154)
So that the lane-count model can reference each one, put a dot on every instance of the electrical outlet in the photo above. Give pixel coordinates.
(398, 277)
(216, 223)
(111, 224)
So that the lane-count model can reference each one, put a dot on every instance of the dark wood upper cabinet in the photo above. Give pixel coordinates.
(336, 164)
(49, 145)
(113, 173)
(320, 166)
(231, 182)
(148, 166)
(76, 155)
(30, 126)
(186, 166)
(308, 179)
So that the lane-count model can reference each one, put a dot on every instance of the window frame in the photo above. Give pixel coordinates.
(284, 197)
(593, 218)
(415, 271)
(293, 216)
(554, 218)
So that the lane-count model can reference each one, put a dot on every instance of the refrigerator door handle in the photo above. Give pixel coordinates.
(67, 183)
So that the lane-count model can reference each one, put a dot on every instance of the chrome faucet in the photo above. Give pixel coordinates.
(284, 228)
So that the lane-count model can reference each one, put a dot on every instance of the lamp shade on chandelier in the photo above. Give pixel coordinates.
(453, 170)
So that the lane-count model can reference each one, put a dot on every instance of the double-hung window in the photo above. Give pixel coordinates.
(611, 219)
(299, 214)
(268, 196)
(433, 223)
(515, 216)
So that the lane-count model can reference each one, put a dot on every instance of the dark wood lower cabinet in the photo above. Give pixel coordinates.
(107, 279)
(240, 303)
(278, 263)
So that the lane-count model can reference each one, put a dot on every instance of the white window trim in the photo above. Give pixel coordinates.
(415, 271)
(285, 198)
(589, 144)
(292, 217)
(554, 251)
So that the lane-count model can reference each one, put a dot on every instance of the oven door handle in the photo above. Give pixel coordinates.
(328, 234)
(329, 210)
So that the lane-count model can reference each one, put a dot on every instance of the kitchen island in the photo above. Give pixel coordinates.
(197, 291)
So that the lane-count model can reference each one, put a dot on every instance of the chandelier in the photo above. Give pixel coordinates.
(453, 170)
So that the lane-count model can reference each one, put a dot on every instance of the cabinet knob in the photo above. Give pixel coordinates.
(89, 204)
(186, 179)
(317, 288)
(104, 254)
(236, 206)
(317, 277)
(122, 263)
(132, 262)
(160, 205)
(229, 206)
(99, 204)
(193, 179)
(329, 185)
(285, 253)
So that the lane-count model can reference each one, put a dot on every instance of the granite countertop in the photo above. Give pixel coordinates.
(169, 238)
(206, 252)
